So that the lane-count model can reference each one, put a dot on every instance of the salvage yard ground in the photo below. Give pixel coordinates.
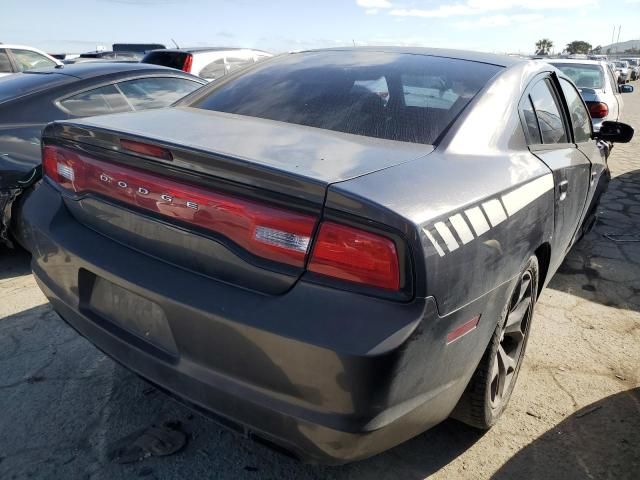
(67, 411)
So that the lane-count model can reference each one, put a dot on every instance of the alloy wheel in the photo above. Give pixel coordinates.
(512, 340)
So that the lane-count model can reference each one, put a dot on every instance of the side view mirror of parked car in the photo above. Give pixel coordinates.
(626, 88)
(615, 132)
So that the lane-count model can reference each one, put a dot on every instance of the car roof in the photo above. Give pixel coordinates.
(205, 49)
(87, 70)
(13, 45)
(481, 57)
(575, 60)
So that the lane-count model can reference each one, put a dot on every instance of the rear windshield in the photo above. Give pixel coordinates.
(166, 59)
(583, 75)
(394, 96)
(19, 84)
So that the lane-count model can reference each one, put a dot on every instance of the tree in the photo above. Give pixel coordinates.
(578, 46)
(597, 50)
(544, 46)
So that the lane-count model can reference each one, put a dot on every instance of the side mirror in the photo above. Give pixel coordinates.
(614, 132)
(625, 88)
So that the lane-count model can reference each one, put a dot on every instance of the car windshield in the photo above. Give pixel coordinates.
(583, 75)
(622, 64)
(410, 98)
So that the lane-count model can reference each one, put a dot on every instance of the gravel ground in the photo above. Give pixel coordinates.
(67, 411)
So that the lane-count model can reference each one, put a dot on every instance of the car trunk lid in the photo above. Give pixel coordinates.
(233, 198)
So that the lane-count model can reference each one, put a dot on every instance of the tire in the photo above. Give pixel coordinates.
(489, 390)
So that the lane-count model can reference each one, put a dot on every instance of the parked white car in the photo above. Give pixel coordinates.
(208, 63)
(598, 86)
(18, 58)
(624, 73)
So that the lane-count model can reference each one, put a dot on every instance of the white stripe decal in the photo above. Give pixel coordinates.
(495, 212)
(524, 195)
(477, 220)
(434, 242)
(447, 236)
(461, 228)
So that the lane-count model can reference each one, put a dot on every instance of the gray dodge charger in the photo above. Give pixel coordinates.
(330, 251)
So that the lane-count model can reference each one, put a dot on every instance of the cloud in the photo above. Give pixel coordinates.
(371, 11)
(479, 7)
(500, 21)
(374, 4)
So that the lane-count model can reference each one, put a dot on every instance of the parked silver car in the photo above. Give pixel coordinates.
(624, 72)
(598, 87)
(634, 67)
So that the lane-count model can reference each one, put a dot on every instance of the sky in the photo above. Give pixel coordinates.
(506, 26)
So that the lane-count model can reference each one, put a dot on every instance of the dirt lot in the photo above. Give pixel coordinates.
(67, 411)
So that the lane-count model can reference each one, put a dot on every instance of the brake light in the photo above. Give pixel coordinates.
(188, 62)
(146, 149)
(269, 232)
(355, 255)
(598, 109)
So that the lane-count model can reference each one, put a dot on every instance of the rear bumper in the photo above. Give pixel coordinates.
(330, 376)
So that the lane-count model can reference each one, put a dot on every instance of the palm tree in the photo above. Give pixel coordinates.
(544, 46)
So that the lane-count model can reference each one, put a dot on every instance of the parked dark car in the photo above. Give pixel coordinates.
(106, 56)
(141, 48)
(329, 251)
(30, 100)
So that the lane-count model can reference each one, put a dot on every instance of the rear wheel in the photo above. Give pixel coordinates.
(491, 385)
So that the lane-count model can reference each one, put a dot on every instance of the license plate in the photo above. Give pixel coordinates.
(134, 313)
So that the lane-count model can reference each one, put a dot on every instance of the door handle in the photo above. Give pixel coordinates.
(563, 188)
(594, 174)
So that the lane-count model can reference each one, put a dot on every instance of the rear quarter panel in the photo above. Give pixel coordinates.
(475, 209)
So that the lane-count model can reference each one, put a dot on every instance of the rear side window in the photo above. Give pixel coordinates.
(98, 101)
(28, 60)
(145, 93)
(580, 118)
(5, 64)
(548, 114)
(353, 92)
(166, 59)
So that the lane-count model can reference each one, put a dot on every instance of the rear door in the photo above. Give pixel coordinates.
(580, 122)
(550, 139)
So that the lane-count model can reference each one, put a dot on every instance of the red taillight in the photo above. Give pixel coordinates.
(269, 232)
(340, 251)
(598, 109)
(355, 255)
(146, 149)
(188, 62)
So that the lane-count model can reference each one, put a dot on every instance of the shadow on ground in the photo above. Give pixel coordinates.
(601, 440)
(604, 267)
(14, 262)
(98, 405)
